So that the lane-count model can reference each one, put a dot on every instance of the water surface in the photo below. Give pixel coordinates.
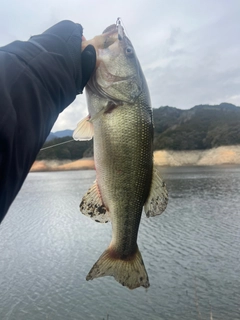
(191, 252)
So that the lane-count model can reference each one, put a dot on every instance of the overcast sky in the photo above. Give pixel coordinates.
(189, 49)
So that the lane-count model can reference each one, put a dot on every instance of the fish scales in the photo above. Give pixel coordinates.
(125, 163)
(120, 118)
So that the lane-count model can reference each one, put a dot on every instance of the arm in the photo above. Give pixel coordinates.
(38, 80)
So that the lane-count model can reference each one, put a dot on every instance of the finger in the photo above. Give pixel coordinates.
(88, 63)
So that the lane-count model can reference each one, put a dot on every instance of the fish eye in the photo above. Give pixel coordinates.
(129, 51)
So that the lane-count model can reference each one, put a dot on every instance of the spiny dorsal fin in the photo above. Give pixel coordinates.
(92, 205)
(158, 197)
(84, 130)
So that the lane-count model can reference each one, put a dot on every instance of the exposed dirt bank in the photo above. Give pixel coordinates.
(82, 164)
(217, 156)
(211, 157)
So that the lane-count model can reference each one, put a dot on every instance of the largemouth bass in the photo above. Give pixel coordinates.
(120, 118)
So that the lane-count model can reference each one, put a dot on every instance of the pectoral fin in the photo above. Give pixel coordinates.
(158, 197)
(98, 115)
(92, 205)
(106, 109)
(84, 130)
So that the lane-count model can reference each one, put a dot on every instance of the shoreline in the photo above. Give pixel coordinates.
(225, 155)
(56, 165)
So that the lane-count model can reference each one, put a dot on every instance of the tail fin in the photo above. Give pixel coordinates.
(129, 272)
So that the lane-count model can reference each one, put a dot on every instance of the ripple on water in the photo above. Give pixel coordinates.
(191, 252)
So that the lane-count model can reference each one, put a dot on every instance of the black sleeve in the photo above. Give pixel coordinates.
(38, 79)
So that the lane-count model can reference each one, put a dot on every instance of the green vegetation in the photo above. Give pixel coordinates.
(202, 127)
(199, 128)
(72, 150)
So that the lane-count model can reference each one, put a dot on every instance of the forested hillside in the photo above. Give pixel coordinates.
(64, 149)
(202, 127)
(199, 128)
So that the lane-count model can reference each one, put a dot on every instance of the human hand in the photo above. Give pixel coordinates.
(65, 39)
(88, 61)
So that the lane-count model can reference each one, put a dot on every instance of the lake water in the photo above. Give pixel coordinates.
(191, 252)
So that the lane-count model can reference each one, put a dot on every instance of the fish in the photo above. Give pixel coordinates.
(120, 120)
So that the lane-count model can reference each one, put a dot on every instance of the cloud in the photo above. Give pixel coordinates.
(70, 117)
(197, 66)
(189, 50)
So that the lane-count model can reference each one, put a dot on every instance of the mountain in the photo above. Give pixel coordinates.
(59, 134)
(65, 148)
(199, 128)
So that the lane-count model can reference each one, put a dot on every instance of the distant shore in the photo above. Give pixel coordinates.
(56, 165)
(211, 157)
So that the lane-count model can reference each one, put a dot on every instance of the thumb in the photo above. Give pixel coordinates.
(88, 63)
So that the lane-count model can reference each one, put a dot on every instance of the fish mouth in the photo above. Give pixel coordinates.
(104, 40)
(116, 28)
(110, 29)
(114, 35)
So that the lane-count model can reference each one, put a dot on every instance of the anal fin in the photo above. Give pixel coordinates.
(92, 205)
(158, 197)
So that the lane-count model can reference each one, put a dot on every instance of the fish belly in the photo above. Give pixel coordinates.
(123, 160)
